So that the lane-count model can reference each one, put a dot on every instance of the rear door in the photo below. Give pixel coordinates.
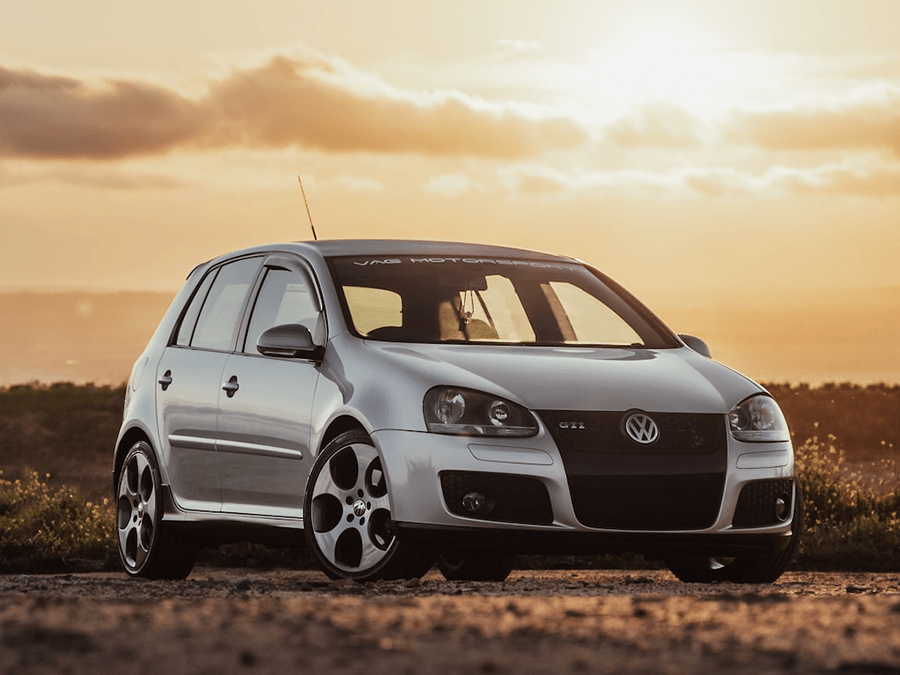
(264, 423)
(189, 381)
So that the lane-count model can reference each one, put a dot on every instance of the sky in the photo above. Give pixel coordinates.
(744, 150)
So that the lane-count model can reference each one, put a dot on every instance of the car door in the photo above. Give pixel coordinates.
(189, 381)
(264, 423)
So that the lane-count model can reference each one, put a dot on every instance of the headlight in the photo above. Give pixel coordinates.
(758, 419)
(449, 410)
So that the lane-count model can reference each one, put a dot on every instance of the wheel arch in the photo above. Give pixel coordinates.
(338, 426)
(126, 442)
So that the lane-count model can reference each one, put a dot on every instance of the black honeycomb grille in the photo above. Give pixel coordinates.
(512, 499)
(689, 502)
(756, 504)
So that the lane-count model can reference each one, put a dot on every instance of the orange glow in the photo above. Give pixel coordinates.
(711, 156)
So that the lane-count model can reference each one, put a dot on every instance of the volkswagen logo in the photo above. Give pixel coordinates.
(641, 428)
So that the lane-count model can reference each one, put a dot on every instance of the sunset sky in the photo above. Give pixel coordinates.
(749, 150)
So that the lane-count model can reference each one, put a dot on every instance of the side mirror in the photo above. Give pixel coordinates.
(289, 340)
(696, 344)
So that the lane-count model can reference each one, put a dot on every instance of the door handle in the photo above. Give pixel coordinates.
(231, 387)
(166, 380)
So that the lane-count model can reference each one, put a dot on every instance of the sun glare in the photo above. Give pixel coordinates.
(664, 59)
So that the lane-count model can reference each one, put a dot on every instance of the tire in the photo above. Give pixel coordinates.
(147, 547)
(347, 516)
(475, 566)
(763, 568)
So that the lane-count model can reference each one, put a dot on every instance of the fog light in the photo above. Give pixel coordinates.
(783, 507)
(474, 502)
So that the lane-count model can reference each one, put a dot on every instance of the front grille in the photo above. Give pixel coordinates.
(756, 505)
(681, 434)
(675, 483)
(511, 499)
(688, 502)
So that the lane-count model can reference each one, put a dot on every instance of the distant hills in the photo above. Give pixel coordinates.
(75, 336)
(846, 336)
(808, 336)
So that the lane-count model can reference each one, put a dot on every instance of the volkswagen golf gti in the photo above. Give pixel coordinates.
(399, 404)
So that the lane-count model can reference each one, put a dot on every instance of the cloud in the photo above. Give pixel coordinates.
(534, 180)
(881, 181)
(285, 102)
(52, 117)
(862, 125)
(827, 180)
(451, 185)
(307, 101)
(359, 183)
(659, 125)
(14, 174)
(521, 46)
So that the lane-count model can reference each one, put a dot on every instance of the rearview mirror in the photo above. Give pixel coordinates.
(696, 344)
(291, 340)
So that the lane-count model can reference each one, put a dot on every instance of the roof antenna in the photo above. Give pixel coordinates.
(303, 192)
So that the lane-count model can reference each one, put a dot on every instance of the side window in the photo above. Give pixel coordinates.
(285, 297)
(189, 320)
(221, 312)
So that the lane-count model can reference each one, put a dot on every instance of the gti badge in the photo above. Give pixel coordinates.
(641, 428)
(571, 425)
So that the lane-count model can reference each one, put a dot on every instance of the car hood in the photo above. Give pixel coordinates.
(548, 378)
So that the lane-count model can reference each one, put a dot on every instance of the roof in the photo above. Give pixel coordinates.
(326, 248)
(351, 247)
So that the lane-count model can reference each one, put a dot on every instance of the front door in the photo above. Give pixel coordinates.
(263, 435)
(264, 419)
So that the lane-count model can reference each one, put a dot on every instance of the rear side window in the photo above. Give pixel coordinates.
(189, 321)
(218, 310)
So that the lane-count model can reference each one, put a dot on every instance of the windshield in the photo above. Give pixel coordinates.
(496, 300)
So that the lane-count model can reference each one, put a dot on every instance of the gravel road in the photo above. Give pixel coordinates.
(250, 621)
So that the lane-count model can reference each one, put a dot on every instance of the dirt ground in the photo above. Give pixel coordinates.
(249, 621)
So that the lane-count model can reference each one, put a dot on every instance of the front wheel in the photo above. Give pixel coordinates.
(347, 514)
(146, 546)
(761, 568)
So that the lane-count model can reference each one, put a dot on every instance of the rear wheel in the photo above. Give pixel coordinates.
(347, 516)
(147, 547)
(759, 568)
(457, 566)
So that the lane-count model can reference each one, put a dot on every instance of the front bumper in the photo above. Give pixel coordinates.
(651, 545)
(417, 465)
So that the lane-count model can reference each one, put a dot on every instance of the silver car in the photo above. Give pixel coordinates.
(401, 403)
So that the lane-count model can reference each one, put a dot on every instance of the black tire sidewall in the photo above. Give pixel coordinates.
(748, 569)
(459, 566)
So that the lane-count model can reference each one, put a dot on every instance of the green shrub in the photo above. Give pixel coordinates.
(45, 529)
(851, 523)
